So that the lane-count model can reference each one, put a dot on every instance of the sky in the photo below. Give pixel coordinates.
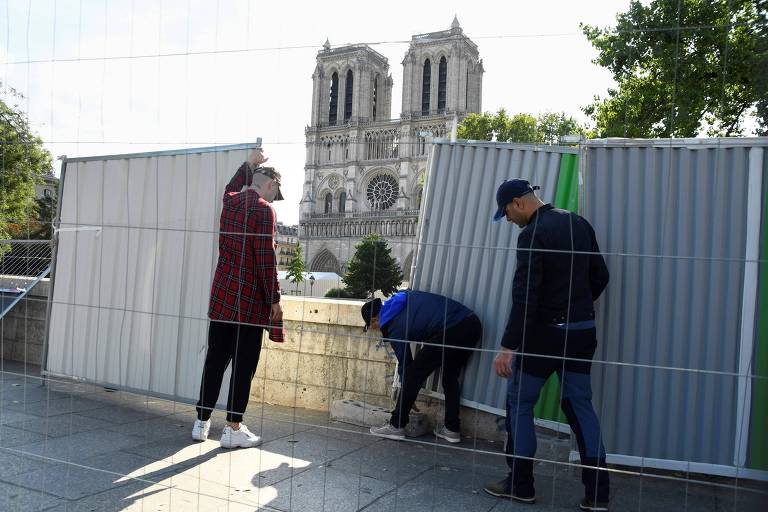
(120, 76)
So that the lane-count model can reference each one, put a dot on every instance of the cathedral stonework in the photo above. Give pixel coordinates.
(365, 171)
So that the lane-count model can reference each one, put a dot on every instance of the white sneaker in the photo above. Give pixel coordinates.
(449, 435)
(200, 430)
(242, 438)
(389, 431)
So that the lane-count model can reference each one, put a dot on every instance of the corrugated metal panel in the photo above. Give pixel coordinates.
(465, 256)
(130, 298)
(671, 220)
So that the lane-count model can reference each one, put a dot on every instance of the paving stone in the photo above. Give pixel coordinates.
(386, 460)
(120, 414)
(60, 426)
(12, 463)
(12, 437)
(56, 407)
(311, 446)
(79, 447)
(323, 489)
(67, 481)
(13, 497)
(416, 498)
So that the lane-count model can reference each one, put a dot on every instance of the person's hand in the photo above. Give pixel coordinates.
(256, 157)
(277, 313)
(503, 363)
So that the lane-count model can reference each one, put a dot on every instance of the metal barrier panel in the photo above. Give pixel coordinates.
(462, 254)
(136, 249)
(672, 219)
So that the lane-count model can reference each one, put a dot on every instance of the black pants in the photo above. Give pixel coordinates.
(240, 344)
(466, 334)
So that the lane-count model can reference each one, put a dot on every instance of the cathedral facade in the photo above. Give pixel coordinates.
(365, 171)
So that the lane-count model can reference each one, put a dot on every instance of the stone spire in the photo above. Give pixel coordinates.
(327, 44)
(455, 23)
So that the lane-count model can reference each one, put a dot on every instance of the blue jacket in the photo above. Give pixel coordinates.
(423, 316)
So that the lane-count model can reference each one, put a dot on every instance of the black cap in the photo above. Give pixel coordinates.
(370, 310)
(509, 190)
(272, 174)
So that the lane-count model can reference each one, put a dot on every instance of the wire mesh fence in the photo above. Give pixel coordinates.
(124, 332)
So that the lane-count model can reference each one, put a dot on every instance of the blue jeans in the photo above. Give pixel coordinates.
(576, 401)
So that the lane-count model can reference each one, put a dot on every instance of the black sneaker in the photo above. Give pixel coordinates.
(596, 506)
(503, 489)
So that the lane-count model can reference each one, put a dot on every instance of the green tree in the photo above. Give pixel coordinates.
(372, 268)
(23, 163)
(683, 67)
(545, 128)
(295, 273)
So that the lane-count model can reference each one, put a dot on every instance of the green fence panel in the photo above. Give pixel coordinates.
(758, 436)
(567, 198)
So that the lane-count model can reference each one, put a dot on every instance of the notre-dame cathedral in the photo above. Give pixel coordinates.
(364, 170)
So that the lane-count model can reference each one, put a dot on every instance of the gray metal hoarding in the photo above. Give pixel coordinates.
(678, 222)
(463, 254)
(675, 220)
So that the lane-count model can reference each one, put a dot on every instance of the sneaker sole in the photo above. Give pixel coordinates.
(231, 446)
(449, 439)
(394, 437)
(529, 501)
(594, 509)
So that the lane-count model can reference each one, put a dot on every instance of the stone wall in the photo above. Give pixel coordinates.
(22, 329)
(327, 357)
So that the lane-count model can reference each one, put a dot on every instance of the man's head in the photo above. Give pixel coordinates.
(370, 311)
(517, 201)
(266, 181)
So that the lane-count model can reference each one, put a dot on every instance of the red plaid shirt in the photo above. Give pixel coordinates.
(245, 283)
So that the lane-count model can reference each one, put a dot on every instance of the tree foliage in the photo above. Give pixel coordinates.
(546, 128)
(295, 272)
(23, 163)
(708, 75)
(372, 268)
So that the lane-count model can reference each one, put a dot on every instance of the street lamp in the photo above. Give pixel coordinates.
(311, 284)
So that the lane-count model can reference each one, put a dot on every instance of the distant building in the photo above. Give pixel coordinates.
(287, 242)
(365, 172)
(47, 189)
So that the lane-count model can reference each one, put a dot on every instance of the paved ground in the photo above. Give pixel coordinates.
(67, 447)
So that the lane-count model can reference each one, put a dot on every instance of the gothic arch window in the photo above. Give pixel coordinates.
(342, 202)
(442, 78)
(466, 92)
(348, 96)
(324, 262)
(426, 83)
(334, 104)
(375, 92)
(382, 192)
(328, 202)
(419, 197)
(407, 264)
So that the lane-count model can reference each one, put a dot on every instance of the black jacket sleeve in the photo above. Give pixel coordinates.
(598, 270)
(525, 289)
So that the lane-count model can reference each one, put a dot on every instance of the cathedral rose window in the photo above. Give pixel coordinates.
(382, 192)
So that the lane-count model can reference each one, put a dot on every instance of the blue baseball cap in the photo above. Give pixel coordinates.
(509, 190)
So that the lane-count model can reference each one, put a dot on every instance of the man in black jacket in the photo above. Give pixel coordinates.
(551, 329)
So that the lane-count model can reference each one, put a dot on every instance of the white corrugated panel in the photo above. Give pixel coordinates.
(136, 252)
